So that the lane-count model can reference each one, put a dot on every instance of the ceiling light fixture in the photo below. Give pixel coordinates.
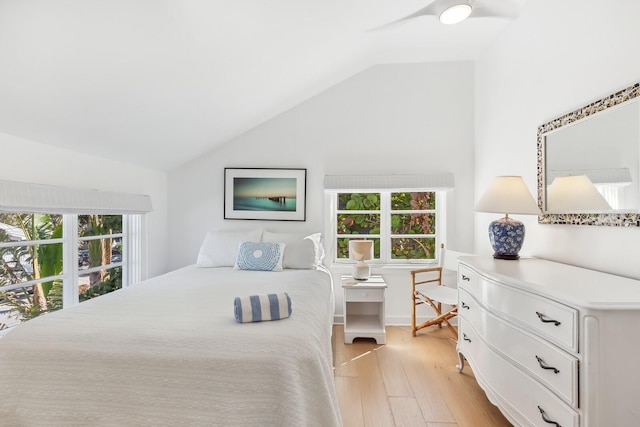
(456, 13)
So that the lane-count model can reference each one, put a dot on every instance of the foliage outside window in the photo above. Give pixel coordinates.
(32, 247)
(402, 225)
(99, 255)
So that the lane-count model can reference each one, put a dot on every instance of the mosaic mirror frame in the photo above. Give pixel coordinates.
(617, 218)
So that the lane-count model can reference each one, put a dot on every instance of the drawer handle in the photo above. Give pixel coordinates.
(464, 305)
(466, 338)
(543, 319)
(465, 278)
(545, 419)
(544, 366)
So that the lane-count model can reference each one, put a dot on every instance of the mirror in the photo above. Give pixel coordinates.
(601, 141)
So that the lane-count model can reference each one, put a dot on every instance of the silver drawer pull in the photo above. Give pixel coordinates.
(544, 366)
(465, 278)
(545, 419)
(464, 305)
(544, 319)
(466, 338)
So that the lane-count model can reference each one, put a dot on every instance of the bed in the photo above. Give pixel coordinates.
(168, 352)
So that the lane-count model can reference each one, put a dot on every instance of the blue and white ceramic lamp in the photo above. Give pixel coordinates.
(507, 195)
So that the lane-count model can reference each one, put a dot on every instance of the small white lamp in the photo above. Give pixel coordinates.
(360, 251)
(507, 195)
(575, 194)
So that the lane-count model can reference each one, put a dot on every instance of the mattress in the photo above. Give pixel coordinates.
(168, 352)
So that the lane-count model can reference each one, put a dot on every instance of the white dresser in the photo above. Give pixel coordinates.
(551, 344)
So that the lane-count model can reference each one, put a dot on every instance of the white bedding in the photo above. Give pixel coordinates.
(167, 352)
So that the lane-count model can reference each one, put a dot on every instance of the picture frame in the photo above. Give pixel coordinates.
(270, 194)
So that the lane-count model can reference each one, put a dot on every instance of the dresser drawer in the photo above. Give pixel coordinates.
(554, 321)
(552, 366)
(468, 279)
(524, 400)
(363, 295)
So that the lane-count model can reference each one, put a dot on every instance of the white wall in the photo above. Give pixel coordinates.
(391, 119)
(29, 161)
(557, 57)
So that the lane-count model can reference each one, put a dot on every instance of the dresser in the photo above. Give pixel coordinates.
(551, 344)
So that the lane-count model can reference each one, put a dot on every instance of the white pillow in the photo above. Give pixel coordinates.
(263, 256)
(316, 238)
(300, 251)
(219, 247)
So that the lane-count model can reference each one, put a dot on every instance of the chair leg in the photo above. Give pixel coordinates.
(438, 320)
(413, 312)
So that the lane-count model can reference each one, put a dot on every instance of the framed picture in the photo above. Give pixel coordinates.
(267, 194)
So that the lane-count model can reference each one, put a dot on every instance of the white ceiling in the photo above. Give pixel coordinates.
(159, 82)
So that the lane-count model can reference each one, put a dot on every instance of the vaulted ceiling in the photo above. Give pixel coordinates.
(159, 82)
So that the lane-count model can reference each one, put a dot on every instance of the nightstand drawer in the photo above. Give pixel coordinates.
(363, 294)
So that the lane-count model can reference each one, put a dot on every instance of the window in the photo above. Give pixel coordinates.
(405, 226)
(30, 265)
(35, 249)
(99, 255)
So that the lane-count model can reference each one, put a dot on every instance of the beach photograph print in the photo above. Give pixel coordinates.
(266, 194)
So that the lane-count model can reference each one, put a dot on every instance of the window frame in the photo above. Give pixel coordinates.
(385, 235)
(130, 235)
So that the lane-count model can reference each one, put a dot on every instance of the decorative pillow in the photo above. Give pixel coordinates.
(260, 256)
(316, 238)
(219, 247)
(259, 308)
(299, 253)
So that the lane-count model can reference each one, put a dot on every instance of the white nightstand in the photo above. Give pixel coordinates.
(363, 309)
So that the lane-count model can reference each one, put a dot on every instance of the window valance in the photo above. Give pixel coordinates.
(42, 198)
(426, 182)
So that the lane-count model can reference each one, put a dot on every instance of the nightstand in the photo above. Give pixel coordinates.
(363, 309)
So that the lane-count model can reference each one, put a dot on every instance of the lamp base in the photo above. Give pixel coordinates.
(506, 236)
(361, 271)
(500, 256)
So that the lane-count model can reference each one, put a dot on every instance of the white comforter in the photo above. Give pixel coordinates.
(167, 352)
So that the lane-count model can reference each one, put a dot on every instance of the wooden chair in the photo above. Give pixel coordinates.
(427, 288)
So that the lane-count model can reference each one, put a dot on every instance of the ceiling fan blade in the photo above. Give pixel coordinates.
(506, 9)
(427, 10)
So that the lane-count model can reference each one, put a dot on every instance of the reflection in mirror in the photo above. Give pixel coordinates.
(605, 148)
(573, 194)
(601, 142)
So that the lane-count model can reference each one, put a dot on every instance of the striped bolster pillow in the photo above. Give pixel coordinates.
(258, 308)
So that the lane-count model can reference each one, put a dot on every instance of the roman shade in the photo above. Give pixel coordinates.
(427, 182)
(42, 198)
(603, 176)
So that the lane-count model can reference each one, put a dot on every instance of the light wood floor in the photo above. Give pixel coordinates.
(408, 382)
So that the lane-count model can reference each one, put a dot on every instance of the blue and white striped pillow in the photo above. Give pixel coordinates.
(258, 308)
(260, 256)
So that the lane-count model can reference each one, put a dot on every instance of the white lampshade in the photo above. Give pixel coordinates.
(508, 195)
(574, 194)
(456, 13)
(360, 250)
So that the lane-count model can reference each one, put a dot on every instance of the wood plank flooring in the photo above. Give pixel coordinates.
(408, 382)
